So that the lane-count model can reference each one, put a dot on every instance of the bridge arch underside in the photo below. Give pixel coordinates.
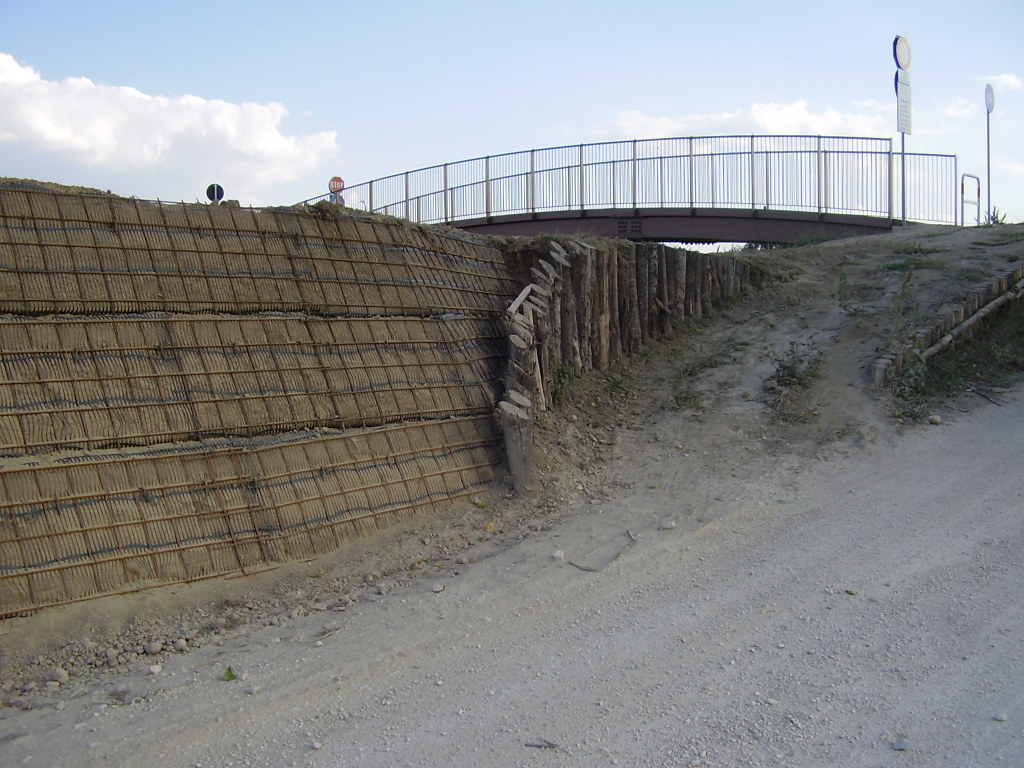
(686, 225)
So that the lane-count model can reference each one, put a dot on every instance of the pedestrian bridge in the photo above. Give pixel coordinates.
(769, 188)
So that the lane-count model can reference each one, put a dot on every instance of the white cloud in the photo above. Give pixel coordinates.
(184, 141)
(635, 124)
(960, 109)
(1004, 82)
(869, 119)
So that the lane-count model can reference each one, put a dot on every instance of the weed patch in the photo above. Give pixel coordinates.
(992, 358)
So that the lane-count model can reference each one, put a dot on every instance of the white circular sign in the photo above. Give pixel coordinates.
(990, 98)
(901, 52)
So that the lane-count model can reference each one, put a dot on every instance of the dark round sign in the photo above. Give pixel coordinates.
(215, 192)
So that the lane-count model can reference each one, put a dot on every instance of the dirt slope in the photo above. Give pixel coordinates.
(724, 568)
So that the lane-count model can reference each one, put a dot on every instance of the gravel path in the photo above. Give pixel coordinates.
(864, 610)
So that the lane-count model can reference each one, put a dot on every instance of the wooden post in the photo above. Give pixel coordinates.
(517, 428)
(614, 321)
(679, 278)
(602, 341)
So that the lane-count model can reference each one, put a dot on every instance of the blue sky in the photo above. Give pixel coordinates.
(269, 99)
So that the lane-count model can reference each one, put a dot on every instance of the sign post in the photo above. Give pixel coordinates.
(990, 103)
(336, 185)
(901, 54)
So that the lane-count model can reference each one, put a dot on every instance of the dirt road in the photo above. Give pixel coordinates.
(861, 611)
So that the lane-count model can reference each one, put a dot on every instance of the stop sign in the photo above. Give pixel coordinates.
(336, 184)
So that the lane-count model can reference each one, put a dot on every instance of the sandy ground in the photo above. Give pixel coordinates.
(721, 570)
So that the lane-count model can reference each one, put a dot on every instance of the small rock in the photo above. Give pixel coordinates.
(153, 648)
(58, 675)
(1001, 717)
(316, 745)
(900, 743)
(935, 419)
(668, 525)
(439, 587)
(558, 554)
(181, 645)
(155, 669)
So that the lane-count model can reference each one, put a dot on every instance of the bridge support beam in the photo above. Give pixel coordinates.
(686, 225)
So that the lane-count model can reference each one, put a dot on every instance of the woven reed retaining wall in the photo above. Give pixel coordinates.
(191, 390)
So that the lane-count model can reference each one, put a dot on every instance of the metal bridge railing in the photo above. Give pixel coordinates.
(818, 174)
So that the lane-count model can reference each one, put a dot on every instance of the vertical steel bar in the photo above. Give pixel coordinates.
(487, 186)
(714, 189)
(891, 179)
(407, 195)
(988, 164)
(447, 213)
(753, 195)
(533, 183)
(903, 176)
(828, 181)
(661, 179)
(634, 179)
(955, 169)
(583, 204)
(819, 171)
(690, 150)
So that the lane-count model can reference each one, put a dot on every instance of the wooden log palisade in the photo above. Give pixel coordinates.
(587, 307)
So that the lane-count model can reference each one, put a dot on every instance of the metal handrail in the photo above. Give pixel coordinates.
(975, 202)
(821, 174)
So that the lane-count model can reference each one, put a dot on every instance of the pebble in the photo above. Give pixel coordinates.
(58, 675)
(558, 554)
(155, 669)
(1001, 717)
(439, 588)
(153, 648)
(181, 645)
(668, 525)
(900, 743)
(935, 419)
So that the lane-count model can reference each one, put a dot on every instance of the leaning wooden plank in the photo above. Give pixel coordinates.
(523, 295)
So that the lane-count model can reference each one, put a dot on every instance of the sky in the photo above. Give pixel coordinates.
(270, 100)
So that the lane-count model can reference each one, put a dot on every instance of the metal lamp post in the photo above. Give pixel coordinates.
(990, 102)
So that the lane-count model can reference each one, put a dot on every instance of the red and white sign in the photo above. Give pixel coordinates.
(336, 184)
